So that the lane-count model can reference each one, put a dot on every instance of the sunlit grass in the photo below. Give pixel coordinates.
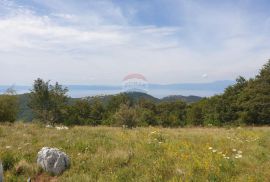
(141, 154)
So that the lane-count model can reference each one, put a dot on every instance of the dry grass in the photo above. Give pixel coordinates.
(142, 154)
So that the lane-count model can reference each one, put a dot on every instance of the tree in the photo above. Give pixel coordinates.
(8, 106)
(97, 111)
(85, 112)
(48, 101)
(255, 99)
(114, 104)
(171, 113)
(195, 114)
(126, 116)
(146, 110)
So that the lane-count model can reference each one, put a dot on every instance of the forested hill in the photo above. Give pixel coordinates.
(188, 99)
(26, 114)
(245, 102)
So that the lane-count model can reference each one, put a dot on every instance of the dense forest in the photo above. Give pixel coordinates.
(245, 102)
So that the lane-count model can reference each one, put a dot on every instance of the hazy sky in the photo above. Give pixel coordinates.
(101, 41)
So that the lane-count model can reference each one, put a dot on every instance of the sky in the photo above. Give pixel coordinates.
(100, 42)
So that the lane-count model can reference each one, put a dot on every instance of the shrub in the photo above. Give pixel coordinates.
(126, 116)
(8, 161)
(8, 108)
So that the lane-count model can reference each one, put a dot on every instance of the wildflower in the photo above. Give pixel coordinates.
(210, 148)
(214, 151)
(8, 147)
(180, 171)
(160, 142)
(153, 132)
(234, 150)
(239, 152)
(238, 156)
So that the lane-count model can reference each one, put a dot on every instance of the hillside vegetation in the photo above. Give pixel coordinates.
(141, 154)
(247, 102)
(26, 114)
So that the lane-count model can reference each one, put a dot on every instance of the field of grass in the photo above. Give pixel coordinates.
(141, 154)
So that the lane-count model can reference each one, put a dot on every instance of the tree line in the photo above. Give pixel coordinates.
(245, 102)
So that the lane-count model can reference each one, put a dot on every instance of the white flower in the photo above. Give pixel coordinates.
(237, 156)
(8, 147)
(153, 132)
(239, 152)
(234, 150)
(210, 148)
(214, 151)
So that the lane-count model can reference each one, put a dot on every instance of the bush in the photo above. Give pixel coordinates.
(8, 108)
(8, 161)
(126, 116)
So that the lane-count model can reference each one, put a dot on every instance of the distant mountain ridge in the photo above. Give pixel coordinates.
(215, 88)
(216, 85)
(188, 99)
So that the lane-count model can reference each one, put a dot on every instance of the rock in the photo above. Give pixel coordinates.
(1, 172)
(61, 128)
(53, 160)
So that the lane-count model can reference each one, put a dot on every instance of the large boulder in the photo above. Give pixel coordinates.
(53, 160)
(1, 172)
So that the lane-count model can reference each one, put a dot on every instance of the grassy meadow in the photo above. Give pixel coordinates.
(141, 154)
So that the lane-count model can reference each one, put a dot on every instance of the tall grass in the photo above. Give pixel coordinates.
(141, 154)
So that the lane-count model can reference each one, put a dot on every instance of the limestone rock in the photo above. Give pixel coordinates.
(53, 160)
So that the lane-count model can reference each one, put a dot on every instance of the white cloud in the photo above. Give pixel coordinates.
(72, 47)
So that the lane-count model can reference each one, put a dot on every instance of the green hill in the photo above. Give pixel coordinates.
(188, 99)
